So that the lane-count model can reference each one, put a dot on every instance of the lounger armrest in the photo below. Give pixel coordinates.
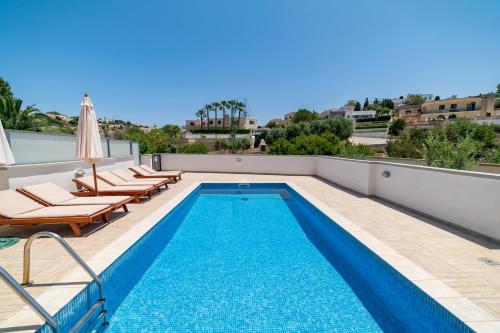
(84, 193)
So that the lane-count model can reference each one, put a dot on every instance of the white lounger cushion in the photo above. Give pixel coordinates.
(57, 196)
(118, 181)
(103, 186)
(13, 203)
(62, 211)
(154, 172)
(142, 172)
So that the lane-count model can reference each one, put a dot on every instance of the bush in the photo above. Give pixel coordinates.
(221, 144)
(492, 155)
(397, 127)
(274, 134)
(279, 147)
(356, 151)
(174, 149)
(340, 127)
(195, 148)
(313, 145)
(443, 154)
(404, 146)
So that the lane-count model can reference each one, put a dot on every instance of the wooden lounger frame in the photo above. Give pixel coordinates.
(136, 194)
(121, 204)
(156, 186)
(75, 222)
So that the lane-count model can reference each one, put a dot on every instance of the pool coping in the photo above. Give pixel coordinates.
(57, 297)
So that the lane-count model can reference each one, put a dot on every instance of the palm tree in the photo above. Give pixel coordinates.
(216, 106)
(14, 117)
(208, 109)
(200, 113)
(224, 106)
(241, 107)
(232, 106)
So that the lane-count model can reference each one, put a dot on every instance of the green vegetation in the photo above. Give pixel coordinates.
(195, 148)
(397, 126)
(303, 115)
(355, 151)
(155, 141)
(14, 116)
(325, 144)
(339, 127)
(369, 126)
(415, 100)
(459, 145)
(5, 90)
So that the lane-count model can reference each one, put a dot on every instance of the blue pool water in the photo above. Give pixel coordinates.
(257, 259)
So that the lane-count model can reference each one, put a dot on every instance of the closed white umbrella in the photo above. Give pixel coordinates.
(88, 140)
(6, 157)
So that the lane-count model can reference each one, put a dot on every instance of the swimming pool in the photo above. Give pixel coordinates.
(256, 258)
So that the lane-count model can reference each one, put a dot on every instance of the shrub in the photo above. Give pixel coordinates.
(403, 146)
(293, 131)
(174, 149)
(397, 127)
(340, 127)
(492, 155)
(274, 134)
(356, 151)
(313, 145)
(443, 154)
(195, 148)
(279, 147)
(221, 144)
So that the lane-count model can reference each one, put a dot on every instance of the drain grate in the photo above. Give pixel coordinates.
(489, 261)
(244, 199)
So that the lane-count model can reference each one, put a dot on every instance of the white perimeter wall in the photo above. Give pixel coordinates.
(281, 165)
(60, 173)
(470, 200)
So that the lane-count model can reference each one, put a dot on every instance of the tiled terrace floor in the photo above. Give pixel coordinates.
(447, 254)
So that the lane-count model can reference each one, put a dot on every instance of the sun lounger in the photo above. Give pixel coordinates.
(113, 179)
(129, 175)
(49, 194)
(142, 173)
(136, 191)
(18, 209)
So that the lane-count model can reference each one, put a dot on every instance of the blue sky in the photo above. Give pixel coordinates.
(157, 62)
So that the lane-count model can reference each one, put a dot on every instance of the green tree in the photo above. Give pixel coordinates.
(5, 90)
(366, 103)
(216, 107)
(387, 103)
(303, 115)
(15, 117)
(271, 124)
(357, 106)
(172, 130)
(415, 100)
(397, 126)
(200, 114)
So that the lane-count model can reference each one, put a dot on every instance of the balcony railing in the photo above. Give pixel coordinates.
(450, 110)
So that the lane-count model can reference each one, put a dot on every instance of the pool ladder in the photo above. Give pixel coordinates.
(34, 305)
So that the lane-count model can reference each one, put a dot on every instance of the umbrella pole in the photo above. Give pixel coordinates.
(95, 179)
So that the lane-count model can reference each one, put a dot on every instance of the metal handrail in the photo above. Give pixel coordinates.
(78, 259)
(28, 299)
(67, 247)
